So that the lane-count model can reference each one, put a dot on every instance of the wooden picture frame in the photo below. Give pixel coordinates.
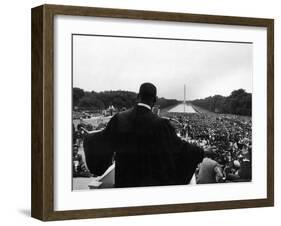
(42, 205)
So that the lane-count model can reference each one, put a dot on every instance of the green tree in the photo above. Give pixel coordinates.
(77, 95)
(238, 102)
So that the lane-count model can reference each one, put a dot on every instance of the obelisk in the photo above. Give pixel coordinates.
(184, 102)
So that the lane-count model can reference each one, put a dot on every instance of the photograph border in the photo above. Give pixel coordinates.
(42, 169)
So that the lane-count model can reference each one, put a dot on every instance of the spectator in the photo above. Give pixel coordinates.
(210, 171)
(79, 167)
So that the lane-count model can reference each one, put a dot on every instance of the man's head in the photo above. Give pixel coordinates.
(210, 152)
(147, 94)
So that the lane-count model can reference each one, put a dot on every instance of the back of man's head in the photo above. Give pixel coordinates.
(147, 93)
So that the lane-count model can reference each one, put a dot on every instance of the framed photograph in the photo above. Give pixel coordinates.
(142, 112)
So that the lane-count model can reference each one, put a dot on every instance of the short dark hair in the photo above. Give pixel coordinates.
(210, 154)
(147, 91)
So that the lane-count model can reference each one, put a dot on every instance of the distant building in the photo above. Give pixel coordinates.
(111, 110)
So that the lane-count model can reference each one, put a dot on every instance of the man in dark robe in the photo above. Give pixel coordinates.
(145, 147)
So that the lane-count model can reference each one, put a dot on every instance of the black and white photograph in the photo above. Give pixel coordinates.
(159, 111)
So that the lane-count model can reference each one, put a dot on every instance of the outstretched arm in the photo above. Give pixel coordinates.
(186, 156)
(98, 149)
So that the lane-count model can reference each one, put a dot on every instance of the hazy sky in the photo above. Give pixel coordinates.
(207, 68)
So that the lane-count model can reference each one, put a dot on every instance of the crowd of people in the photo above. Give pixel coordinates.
(229, 136)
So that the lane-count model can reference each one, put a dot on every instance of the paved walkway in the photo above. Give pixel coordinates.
(181, 108)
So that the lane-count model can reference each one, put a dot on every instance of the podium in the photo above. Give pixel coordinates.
(107, 180)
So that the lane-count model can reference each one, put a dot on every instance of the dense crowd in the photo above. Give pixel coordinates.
(229, 136)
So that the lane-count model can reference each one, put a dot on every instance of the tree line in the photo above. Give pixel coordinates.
(239, 102)
(119, 99)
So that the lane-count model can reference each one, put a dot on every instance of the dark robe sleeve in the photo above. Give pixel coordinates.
(183, 157)
(98, 149)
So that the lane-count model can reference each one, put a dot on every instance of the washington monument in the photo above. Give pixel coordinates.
(184, 100)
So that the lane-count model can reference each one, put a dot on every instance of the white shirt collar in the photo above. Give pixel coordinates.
(144, 105)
